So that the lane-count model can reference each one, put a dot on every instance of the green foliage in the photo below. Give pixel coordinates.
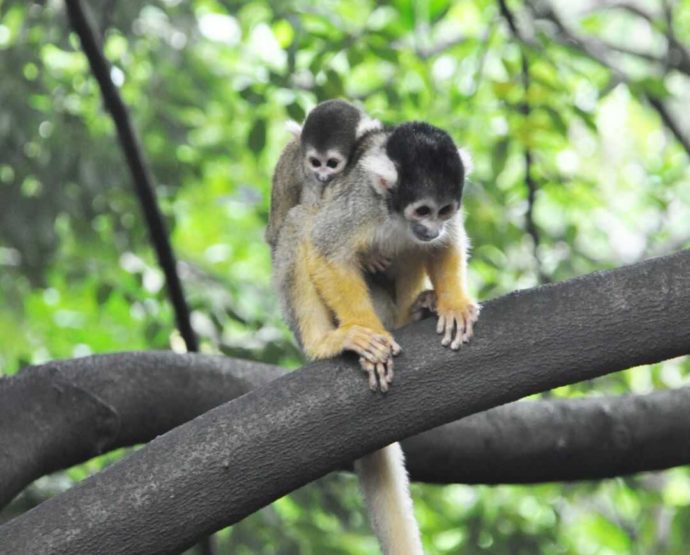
(210, 85)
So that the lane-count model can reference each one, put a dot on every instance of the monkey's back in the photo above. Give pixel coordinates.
(286, 189)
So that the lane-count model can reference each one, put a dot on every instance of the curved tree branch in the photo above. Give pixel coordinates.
(62, 413)
(557, 440)
(141, 175)
(82, 407)
(236, 458)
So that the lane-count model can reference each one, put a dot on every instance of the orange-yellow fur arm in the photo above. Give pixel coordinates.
(446, 269)
(343, 289)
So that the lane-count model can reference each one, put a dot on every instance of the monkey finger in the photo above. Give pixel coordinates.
(389, 344)
(457, 341)
(450, 326)
(365, 353)
(469, 331)
(383, 347)
(440, 324)
(381, 373)
(461, 326)
(369, 368)
(389, 371)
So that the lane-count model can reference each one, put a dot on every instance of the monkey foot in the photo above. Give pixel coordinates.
(380, 373)
(423, 305)
(456, 324)
(375, 347)
(374, 262)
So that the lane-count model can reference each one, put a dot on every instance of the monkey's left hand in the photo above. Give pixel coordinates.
(374, 262)
(456, 321)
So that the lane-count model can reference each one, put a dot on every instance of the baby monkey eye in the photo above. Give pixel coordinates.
(446, 210)
(422, 211)
(315, 162)
(332, 163)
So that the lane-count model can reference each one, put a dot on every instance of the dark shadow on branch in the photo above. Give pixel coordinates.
(141, 175)
(236, 458)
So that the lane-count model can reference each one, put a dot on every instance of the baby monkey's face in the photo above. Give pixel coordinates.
(324, 165)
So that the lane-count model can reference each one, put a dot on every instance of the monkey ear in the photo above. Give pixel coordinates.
(466, 160)
(365, 125)
(382, 170)
(293, 127)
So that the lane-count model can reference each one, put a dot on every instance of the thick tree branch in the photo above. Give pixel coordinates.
(141, 175)
(62, 413)
(557, 440)
(236, 458)
(65, 412)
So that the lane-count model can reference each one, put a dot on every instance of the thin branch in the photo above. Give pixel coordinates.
(236, 458)
(628, 7)
(141, 175)
(596, 50)
(525, 109)
(669, 122)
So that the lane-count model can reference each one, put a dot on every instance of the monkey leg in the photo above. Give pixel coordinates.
(322, 339)
(424, 305)
(342, 287)
(457, 312)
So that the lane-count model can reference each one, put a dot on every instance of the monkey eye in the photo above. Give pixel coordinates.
(445, 211)
(332, 163)
(422, 211)
(315, 162)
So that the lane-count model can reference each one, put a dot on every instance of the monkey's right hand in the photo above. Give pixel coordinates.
(376, 351)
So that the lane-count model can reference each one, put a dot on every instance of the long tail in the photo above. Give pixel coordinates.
(386, 489)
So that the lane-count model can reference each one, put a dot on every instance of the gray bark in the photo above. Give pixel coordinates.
(62, 413)
(236, 458)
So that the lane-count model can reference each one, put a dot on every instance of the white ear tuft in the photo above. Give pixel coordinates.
(384, 176)
(293, 127)
(466, 160)
(367, 124)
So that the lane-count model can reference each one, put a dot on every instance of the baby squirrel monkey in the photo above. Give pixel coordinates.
(320, 150)
(399, 196)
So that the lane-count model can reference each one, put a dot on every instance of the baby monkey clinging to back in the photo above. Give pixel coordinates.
(321, 149)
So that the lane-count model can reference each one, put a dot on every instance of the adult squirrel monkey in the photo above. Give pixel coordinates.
(399, 196)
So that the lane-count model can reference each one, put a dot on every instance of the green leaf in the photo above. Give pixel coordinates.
(499, 156)
(257, 136)
(296, 112)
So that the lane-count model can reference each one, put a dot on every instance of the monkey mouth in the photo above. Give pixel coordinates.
(424, 235)
(323, 178)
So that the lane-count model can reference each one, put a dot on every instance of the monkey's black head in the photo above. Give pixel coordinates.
(328, 138)
(431, 175)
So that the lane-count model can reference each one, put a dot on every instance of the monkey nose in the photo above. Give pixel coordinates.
(323, 177)
(423, 233)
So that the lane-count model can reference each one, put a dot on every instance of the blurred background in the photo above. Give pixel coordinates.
(576, 114)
